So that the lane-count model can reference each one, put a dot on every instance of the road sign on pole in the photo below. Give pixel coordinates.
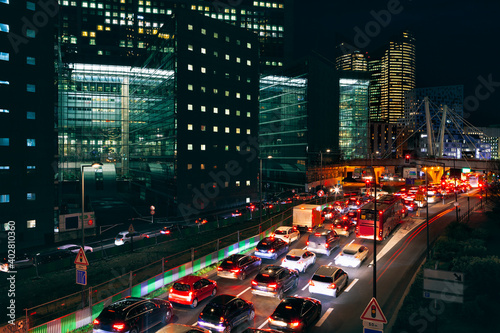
(371, 330)
(373, 312)
(81, 259)
(131, 228)
(81, 277)
(444, 285)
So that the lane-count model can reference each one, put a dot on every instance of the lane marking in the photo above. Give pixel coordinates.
(351, 285)
(307, 285)
(244, 291)
(195, 324)
(322, 320)
(304, 248)
(330, 263)
(263, 324)
(352, 241)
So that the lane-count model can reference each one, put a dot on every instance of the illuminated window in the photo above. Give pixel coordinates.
(30, 115)
(249, 63)
(190, 107)
(249, 46)
(203, 147)
(190, 67)
(30, 196)
(99, 27)
(190, 146)
(190, 127)
(30, 88)
(248, 183)
(227, 112)
(238, 112)
(190, 166)
(190, 87)
(203, 70)
(30, 224)
(226, 148)
(203, 31)
(190, 47)
(238, 131)
(238, 95)
(216, 129)
(203, 108)
(238, 183)
(203, 128)
(238, 59)
(30, 142)
(226, 93)
(202, 166)
(190, 27)
(4, 56)
(216, 110)
(226, 130)
(227, 57)
(203, 50)
(216, 35)
(84, 33)
(249, 97)
(248, 114)
(30, 5)
(248, 131)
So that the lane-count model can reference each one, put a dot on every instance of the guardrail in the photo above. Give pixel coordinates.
(85, 306)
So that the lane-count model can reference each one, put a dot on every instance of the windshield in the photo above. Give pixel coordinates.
(292, 258)
(288, 309)
(350, 252)
(181, 286)
(228, 264)
(321, 278)
(265, 278)
(280, 232)
(212, 313)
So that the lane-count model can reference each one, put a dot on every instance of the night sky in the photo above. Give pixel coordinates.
(457, 42)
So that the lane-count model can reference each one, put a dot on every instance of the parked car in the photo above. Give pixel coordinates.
(295, 314)
(274, 281)
(271, 248)
(286, 234)
(328, 280)
(299, 260)
(133, 314)
(352, 255)
(238, 266)
(179, 328)
(224, 312)
(73, 248)
(190, 290)
(126, 237)
(323, 241)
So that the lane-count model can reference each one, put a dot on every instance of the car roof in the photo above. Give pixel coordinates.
(222, 299)
(189, 279)
(124, 303)
(235, 257)
(352, 247)
(180, 328)
(297, 252)
(326, 270)
(284, 228)
(270, 269)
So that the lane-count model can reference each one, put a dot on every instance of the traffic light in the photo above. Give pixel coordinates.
(407, 158)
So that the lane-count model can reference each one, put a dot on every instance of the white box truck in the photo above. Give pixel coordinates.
(307, 216)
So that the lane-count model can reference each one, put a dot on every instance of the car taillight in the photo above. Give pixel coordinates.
(311, 283)
(236, 270)
(283, 260)
(271, 250)
(96, 322)
(221, 319)
(190, 295)
(332, 286)
(345, 228)
(219, 268)
(326, 245)
(307, 243)
(309, 229)
(119, 327)
(295, 323)
(171, 290)
(272, 285)
(147, 236)
(254, 283)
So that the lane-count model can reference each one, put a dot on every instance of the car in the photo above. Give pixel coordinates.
(126, 237)
(323, 241)
(304, 196)
(167, 230)
(340, 206)
(274, 281)
(343, 226)
(271, 248)
(328, 213)
(410, 205)
(353, 216)
(133, 315)
(328, 280)
(238, 266)
(224, 312)
(295, 314)
(18, 262)
(286, 234)
(260, 330)
(180, 328)
(299, 260)
(73, 248)
(352, 255)
(354, 203)
(190, 290)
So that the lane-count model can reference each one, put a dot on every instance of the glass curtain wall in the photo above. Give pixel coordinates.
(353, 106)
(283, 130)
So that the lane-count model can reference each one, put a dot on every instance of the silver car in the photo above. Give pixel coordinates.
(328, 280)
(352, 255)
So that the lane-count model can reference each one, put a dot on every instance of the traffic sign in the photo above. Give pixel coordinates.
(373, 325)
(321, 193)
(81, 277)
(373, 312)
(371, 330)
(81, 259)
(81, 267)
(131, 228)
(444, 285)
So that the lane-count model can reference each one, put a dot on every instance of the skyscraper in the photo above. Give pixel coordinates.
(27, 139)
(353, 61)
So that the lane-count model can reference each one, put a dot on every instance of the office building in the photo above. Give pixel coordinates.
(179, 127)
(27, 142)
(121, 32)
(350, 61)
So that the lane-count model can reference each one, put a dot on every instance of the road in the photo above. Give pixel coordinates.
(398, 258)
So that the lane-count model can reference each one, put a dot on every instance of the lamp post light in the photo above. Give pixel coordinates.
(82, 167)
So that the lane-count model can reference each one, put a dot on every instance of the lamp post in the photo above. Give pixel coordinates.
(82, 167)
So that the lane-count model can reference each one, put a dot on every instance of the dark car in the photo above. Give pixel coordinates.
(343, 226)
(238, 266)
(271, 248)
(133, 314)
(323, 241)
(353, 216)
(224, 312)
(274, 281)
(295, 314)
(12, 264)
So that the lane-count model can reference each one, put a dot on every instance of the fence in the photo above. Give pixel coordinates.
(83, 307)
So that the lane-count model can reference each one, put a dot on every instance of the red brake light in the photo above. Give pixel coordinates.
(147, 236)
(271, 250)
(236, 270)
(307, 243)
(119, 327)
(309, 229)
(254, 283)
(219, 268)
(295, 323)
(332, 286)
(221, 319)
(272, 285)
(317, 234)
(311, 283)
(96, 322)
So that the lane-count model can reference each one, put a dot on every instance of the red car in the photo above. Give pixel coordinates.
(190, 290)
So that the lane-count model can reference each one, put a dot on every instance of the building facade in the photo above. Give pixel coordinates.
(352, 61)
(27, 142)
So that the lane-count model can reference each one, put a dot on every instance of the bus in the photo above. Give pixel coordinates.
(390, 212)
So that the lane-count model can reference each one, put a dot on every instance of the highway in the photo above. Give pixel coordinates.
(398, 258)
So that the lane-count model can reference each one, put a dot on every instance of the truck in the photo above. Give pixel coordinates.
(307, 216)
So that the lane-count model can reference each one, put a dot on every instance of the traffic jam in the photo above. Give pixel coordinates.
(317, 257)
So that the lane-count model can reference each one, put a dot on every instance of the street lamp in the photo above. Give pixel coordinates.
(260, 189)
(83, 166)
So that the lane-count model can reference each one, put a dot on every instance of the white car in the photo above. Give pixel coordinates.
(299, 260)
(286, 234)
(125, 237)
(75, 248)
(352, 255)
